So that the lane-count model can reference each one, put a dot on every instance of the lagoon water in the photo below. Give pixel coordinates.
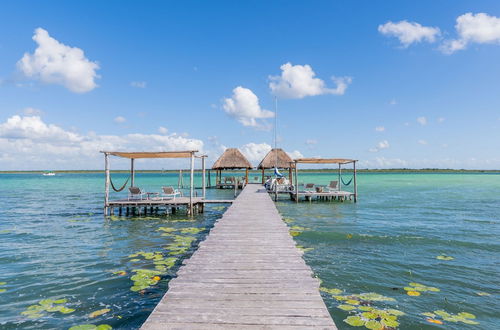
(56, 244)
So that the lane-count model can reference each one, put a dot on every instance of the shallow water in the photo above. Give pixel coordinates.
(392, 237)
(55, 243)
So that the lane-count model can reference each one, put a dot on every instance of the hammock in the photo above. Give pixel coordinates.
(348, 182)
(122, 187)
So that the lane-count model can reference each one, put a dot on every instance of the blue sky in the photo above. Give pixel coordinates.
(416, 84)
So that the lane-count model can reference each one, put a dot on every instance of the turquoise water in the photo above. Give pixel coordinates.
(55, 244)
(392, 237)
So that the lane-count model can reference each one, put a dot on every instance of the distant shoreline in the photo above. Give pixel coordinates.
(258, 172)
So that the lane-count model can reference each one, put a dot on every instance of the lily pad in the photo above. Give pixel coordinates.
(374, 325)
(434, 321)
(99, 312)
(91, 327)
(354, 321)
(482, 293)
(432, 315)
(333, 291)
(467, 315)
(365, 308)
(390, 323)
(413, 293)
(352, 302)
(346, 307)
(444, 257)
(369, 315)
(396, 312)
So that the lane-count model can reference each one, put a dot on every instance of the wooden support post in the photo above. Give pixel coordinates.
(355, 184)
(209, 178)
(263, 176)
(296, 184)
(340, 177)
(132, 172)
(203, 183)
(106, 184)
(246, 176)
(191, 184)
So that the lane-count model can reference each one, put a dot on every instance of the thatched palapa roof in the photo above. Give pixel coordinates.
(232, 158)
(284, 161)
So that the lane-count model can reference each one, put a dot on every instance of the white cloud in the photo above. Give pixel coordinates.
(422, 121)
(32, 112)
(162, 130)
(311, 141)
(440, 119)
(299, 81)
(380, 146)
(255, 152)
(478, 28)
(120, 119)
(380, 128)
(422, 142)
(244, 107)
(393, 102)
(138, 84)
(30, 143)
(295, 154)
(409, 32)
(55, 63)
(382, 162)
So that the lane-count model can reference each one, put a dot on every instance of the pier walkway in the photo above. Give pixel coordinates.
(247, 274)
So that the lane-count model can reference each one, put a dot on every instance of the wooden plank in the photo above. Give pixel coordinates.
(247, 274)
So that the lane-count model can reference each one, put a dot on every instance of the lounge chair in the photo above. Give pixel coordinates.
(170, 193)
(333, 186)
(135, 193)
(309, 187)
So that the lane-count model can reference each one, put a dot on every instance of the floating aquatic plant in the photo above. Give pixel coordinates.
(444, 257)
(296, 230)
(91, 327)
(99, 312)
(120, 273)
(288, 220)
(333, 291)
(144, 278)
(416, 288)
(192, 230)
(463, 317)
(372, 319)
(304, 249)
(481, 293)
(346, 307)
(47, 305)
(1, 284)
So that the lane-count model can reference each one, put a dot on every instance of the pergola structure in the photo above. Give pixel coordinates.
(231, 159)
(162, 154)
(339, 161)
(276, 158)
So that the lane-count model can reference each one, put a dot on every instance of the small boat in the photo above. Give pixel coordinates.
(48, 174)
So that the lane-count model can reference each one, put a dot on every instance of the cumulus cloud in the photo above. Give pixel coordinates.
(422, 121)
(299, 81)
(55, 63)
(422, 142)
(478, 28)
(120, 120)
(409, 32)
(138, 84)
(27, 142)
(255, 152)
(162, 130)
(311, 141)
(244, 107)
(380, 146)
(380, 128)
(382, 162)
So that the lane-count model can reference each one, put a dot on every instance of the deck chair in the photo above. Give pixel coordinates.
(309, 187)
(135, 193)
(170, 193)
(333, 186)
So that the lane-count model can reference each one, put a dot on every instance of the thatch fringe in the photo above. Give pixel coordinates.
(232, 158)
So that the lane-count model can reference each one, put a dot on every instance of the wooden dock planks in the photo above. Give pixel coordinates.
(247, 274)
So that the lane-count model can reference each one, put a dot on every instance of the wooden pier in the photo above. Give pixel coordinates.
(247, 274)
(159, 205)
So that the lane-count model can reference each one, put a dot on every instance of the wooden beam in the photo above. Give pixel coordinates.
(191, 185)
(132, 172)
(355, 184)
(106, 183)
(203, 183)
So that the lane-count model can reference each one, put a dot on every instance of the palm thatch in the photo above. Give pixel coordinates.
(232, 158)
(284, 161)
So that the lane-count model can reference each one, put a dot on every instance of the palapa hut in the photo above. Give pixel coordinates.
(283, 161)
(231, 159)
